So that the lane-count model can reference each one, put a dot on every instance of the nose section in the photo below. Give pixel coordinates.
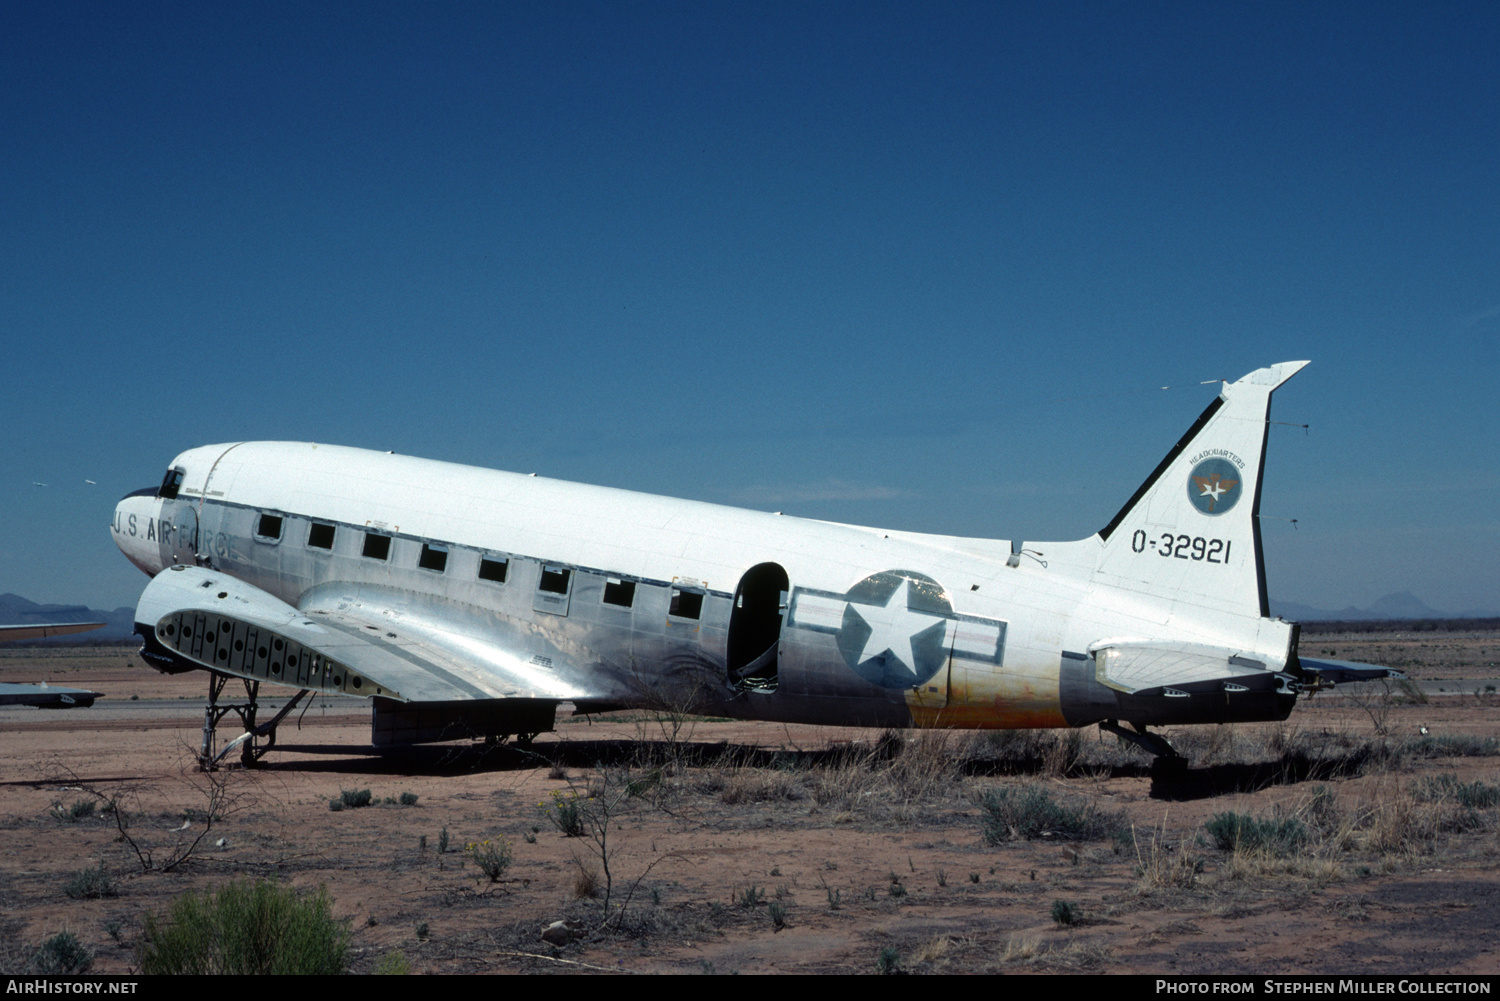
(135, 529)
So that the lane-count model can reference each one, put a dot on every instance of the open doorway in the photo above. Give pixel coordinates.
(755, 627)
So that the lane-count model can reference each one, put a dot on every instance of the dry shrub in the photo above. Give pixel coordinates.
(246, 928)
(61, 955)
(1275, 740)
(1240, 832)
(1029, 811)
(1398, 824)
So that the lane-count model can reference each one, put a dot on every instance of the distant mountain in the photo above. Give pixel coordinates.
(18, 611)
(1401, 605)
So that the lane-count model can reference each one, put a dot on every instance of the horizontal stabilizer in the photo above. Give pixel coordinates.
(1133, 667)
(1338, 672)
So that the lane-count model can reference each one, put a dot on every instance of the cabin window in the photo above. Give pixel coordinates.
(171, 483)
(686, 604)
(320, 536)
(377, 547)
(434, 558)
(554, 580)
(268, 527)
(493, 569)
(619, 592)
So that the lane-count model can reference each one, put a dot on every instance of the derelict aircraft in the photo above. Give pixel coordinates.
(471, 603)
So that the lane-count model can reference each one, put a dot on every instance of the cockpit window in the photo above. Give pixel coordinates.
(171, 483)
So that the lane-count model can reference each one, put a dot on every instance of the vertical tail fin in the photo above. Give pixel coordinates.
(1192, 530)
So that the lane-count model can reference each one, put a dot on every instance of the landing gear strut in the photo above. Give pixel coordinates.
(1152, 743)
(255, 741)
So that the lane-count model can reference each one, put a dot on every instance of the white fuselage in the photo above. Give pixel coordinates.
(759, 615)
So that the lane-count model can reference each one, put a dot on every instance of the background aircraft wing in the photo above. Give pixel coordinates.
(343, 641)
(1339, 672)
(39, 631)
(47, 696)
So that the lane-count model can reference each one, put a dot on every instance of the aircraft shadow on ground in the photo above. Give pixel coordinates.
(1185, 784)
(1180, 782)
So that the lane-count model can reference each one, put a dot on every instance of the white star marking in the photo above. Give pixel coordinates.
(1212, 489)
(893, 627)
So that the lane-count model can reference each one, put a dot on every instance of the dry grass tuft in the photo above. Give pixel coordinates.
(1020, 949)
(933, 949)
(759, 785)
(586, 880)
(1160, 868)
(1030, 950)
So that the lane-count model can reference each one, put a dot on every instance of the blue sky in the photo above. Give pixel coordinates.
(917, 265)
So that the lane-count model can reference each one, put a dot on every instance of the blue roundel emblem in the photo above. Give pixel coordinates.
(1214, 486)
(893, 628)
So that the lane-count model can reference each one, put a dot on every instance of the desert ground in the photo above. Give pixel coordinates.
(1370, 845)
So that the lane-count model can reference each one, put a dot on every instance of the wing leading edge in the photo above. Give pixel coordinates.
(338, 645)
